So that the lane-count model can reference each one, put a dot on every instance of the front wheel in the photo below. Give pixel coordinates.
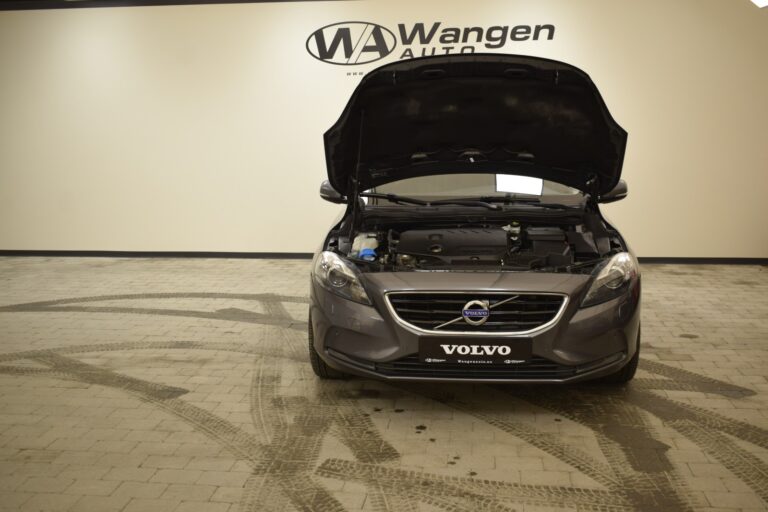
(321, 369)
(627, 373)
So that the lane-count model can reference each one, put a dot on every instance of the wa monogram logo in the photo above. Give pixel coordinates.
(351, 42)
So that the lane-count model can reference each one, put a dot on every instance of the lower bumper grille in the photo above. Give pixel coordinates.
(535, 368)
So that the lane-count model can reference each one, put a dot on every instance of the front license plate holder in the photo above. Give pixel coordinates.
(458, 350)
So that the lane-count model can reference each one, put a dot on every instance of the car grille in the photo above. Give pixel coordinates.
(535, 368)
(429, 310)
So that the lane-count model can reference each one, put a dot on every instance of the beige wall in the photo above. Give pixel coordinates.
(199, 127)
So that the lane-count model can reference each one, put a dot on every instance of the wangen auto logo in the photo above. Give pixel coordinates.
(476, 312)
(351, 42)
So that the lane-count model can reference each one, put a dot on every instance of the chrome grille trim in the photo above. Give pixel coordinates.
(474, 295)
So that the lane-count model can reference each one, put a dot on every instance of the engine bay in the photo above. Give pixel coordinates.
(512, 245)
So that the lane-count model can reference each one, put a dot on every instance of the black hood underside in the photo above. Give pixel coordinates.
(475, 114)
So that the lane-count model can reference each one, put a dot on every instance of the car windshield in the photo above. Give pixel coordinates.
(455, 186)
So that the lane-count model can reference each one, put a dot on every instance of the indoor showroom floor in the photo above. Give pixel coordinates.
(183, 385)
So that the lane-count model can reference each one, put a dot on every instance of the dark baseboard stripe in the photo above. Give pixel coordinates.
(161, 254)
(28, 5)
(704, 261)
(308, 255)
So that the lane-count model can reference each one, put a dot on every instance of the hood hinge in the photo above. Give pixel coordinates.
(592, 188)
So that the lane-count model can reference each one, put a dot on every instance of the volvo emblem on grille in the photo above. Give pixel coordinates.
(476, 312)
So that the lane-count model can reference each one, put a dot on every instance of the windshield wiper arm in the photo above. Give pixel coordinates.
(467, 202)
(394, 198)
(553, 206)
(532, 201)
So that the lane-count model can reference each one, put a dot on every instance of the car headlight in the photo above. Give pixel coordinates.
(340, 277)
(612, 279)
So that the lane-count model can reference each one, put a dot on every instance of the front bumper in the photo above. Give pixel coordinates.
(369, 341)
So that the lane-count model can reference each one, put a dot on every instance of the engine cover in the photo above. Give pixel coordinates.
(471, 244)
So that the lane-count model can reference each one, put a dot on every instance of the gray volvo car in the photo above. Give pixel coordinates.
(472, 247)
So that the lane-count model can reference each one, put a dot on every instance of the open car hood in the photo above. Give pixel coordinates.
(475, 113)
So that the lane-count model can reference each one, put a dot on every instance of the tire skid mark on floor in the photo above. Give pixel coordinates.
(292, 456)
(342, 416)
(264, 415)
(239, 442)
(266, 297)
(293, 446)
(688, 381)
(279, 316)
(24, 371)
(91, 374)
(358, 433)
(710, 419)
(268, 417)
(748, 468)
(707, 429)
(637, 459)
(409, 480)
(548, 443)
(243, 348)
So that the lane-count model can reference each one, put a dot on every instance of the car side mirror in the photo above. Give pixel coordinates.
(330, 194)
(618, 192)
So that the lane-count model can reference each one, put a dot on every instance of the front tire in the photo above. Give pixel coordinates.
(319, 366)
(627, 373)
